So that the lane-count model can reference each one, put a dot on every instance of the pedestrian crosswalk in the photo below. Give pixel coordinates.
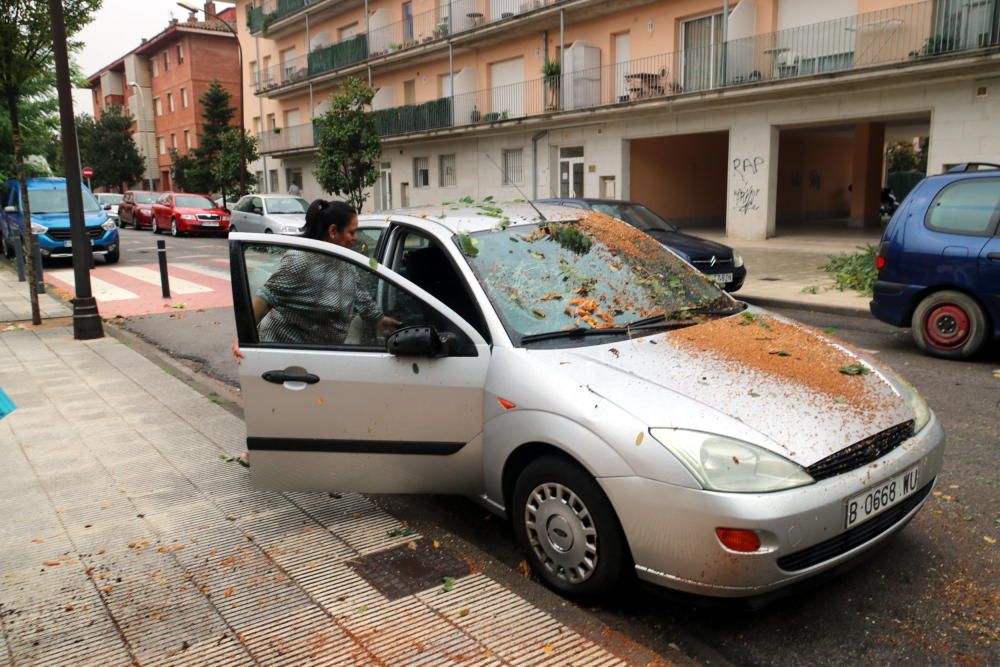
(127, 291)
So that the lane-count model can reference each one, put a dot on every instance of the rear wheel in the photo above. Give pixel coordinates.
(950, 325)
(568, 528)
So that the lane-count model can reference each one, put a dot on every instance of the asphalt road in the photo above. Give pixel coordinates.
(930, 596)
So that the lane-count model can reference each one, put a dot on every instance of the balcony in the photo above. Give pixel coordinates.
(915, 33)
(286, 139)
(269, 11)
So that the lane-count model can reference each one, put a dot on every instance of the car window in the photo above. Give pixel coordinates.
(286, 205)
(55, 201)
(310, 298)
(150, 198)
(636, 215)
(256, 202)
(368, 240)
(193, 201)
(966, 207)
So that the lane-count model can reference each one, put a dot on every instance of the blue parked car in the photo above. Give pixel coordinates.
(939, 262)
(50, 220)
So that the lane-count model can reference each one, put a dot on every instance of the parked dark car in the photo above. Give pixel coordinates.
(136, 209)
(939, 262)
(182, 213)
(718, 261)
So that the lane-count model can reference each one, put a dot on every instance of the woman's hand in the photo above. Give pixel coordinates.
(237, 354)
(387, 325)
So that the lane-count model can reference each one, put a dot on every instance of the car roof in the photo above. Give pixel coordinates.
(591, 200)
(959, 173)
(463, 218)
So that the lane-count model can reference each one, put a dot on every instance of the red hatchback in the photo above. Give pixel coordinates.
(181, 213)
(136, 209)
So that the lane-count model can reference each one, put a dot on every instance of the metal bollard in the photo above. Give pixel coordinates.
(38, 265)
(19, 254)
(161, 252)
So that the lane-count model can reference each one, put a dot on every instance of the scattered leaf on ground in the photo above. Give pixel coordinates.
(403, 531)
(549, 648)
(524, 569)
(462, 613)
(989, 540)
(179, 304)
(447, 583)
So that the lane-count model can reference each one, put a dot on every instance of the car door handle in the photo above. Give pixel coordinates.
(993, 256)
(281, 377)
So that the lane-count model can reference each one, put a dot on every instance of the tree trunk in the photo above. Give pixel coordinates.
(27, 238)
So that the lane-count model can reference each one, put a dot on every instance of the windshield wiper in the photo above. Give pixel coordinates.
(670, 320)
(576, 332)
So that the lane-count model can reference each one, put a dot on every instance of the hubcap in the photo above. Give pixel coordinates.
(173, 227)
(561, 532)
(947, 326)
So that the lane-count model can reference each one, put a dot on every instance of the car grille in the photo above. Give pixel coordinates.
(207, 216)
(67, 234)
(720, 263)
(862, 452)
(854, 537)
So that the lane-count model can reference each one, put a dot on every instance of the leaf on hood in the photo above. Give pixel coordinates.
(855, 369)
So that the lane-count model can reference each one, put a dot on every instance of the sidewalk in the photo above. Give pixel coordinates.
(15, 303)
(785, 271)
(130, 541)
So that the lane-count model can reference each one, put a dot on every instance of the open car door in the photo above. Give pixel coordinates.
(327, 405)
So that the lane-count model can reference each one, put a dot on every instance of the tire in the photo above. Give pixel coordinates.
(8, 251)
(232, 228)
(114, 256)
(173, 228)
(154, 228)
(581, 550)
(949, 325)
(268, 231)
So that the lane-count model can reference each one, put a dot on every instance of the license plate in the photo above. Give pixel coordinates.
(722, 278)
(209, 223)
(875, 501)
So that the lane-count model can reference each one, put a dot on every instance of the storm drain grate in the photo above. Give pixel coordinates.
(409, 569)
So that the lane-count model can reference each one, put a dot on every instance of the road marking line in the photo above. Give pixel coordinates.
(178, 285)
(101, 289)
(204, 270)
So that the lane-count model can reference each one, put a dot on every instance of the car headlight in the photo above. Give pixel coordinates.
(921, 413)
(38, 229)
(108, 225)
(188, 216)
(723, 464)
(737, 260)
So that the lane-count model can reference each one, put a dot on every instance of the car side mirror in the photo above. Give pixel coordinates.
(10, 209)
(422, 341)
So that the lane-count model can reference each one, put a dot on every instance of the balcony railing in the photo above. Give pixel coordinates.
(909, 33)
(286, 138)
(267, 12)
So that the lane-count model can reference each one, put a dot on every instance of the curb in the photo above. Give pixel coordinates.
(769, 302)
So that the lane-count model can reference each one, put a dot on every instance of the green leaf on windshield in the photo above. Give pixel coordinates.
(536, 254)
(468, 245)
(372, 262)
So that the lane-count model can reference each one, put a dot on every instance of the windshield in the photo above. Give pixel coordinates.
(146, 197)
(593, 274)
(287, 205)
(109, 198)
(636, 215)
(193, 201)
(55, 201)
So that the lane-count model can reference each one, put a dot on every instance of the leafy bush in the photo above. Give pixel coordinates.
(854, 271)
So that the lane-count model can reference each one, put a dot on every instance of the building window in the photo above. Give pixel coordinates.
(180, 54)
(410, 91)
(156, 66)
(260, 178)
(348, 31)
(184, 98)
(166, 60)
(187, 139)
(173, 140)
(421, 172)
(407, 22)
(161, 145)
(170, 102)
(272, 121)
(512, 173)
(272, 175)
(258, 127)
(157, 106)
(446, 171)
(293, 177)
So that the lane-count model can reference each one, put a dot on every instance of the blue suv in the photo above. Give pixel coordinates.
(939, 262)
(50, 220)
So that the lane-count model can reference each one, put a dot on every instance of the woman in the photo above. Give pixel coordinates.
(311, 298)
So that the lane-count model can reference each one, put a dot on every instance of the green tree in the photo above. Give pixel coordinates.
(26, 55)
(106, 146)
(231, 158)
(348, 145)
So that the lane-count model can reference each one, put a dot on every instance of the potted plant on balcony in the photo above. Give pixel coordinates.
(395, 46)
(934, 45)
(552, 74)
(441, 30)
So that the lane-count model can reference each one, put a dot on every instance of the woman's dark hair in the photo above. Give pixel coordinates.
(323, 214)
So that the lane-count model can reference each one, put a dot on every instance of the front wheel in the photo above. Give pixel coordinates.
(113, 256)
(950, 325)
(173, 228)
(566, 524)
(155, 228)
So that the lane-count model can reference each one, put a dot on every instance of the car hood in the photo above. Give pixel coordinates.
(682, 379)
(297, 219)
(692, 246)
(61, 220)
(200, 211)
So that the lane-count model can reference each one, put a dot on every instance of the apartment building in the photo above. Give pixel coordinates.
(161, 81)
(749, 117)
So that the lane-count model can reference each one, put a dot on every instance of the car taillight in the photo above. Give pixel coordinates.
(880, 257)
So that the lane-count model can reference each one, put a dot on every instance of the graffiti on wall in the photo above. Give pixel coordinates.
(746, 195)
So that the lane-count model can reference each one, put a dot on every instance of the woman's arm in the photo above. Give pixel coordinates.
(260, 309)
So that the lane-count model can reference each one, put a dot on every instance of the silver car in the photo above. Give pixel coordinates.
(109, 201)
(270, 214)
(572, 375)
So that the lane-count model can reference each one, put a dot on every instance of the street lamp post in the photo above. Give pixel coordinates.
(142, 115)
(243, 133)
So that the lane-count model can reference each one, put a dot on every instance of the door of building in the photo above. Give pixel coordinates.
(622, 48)
(507, 82)
(702, 51)
(384, 195)
(571, 172)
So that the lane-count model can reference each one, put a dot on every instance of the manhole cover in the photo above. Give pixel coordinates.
(404, 571)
